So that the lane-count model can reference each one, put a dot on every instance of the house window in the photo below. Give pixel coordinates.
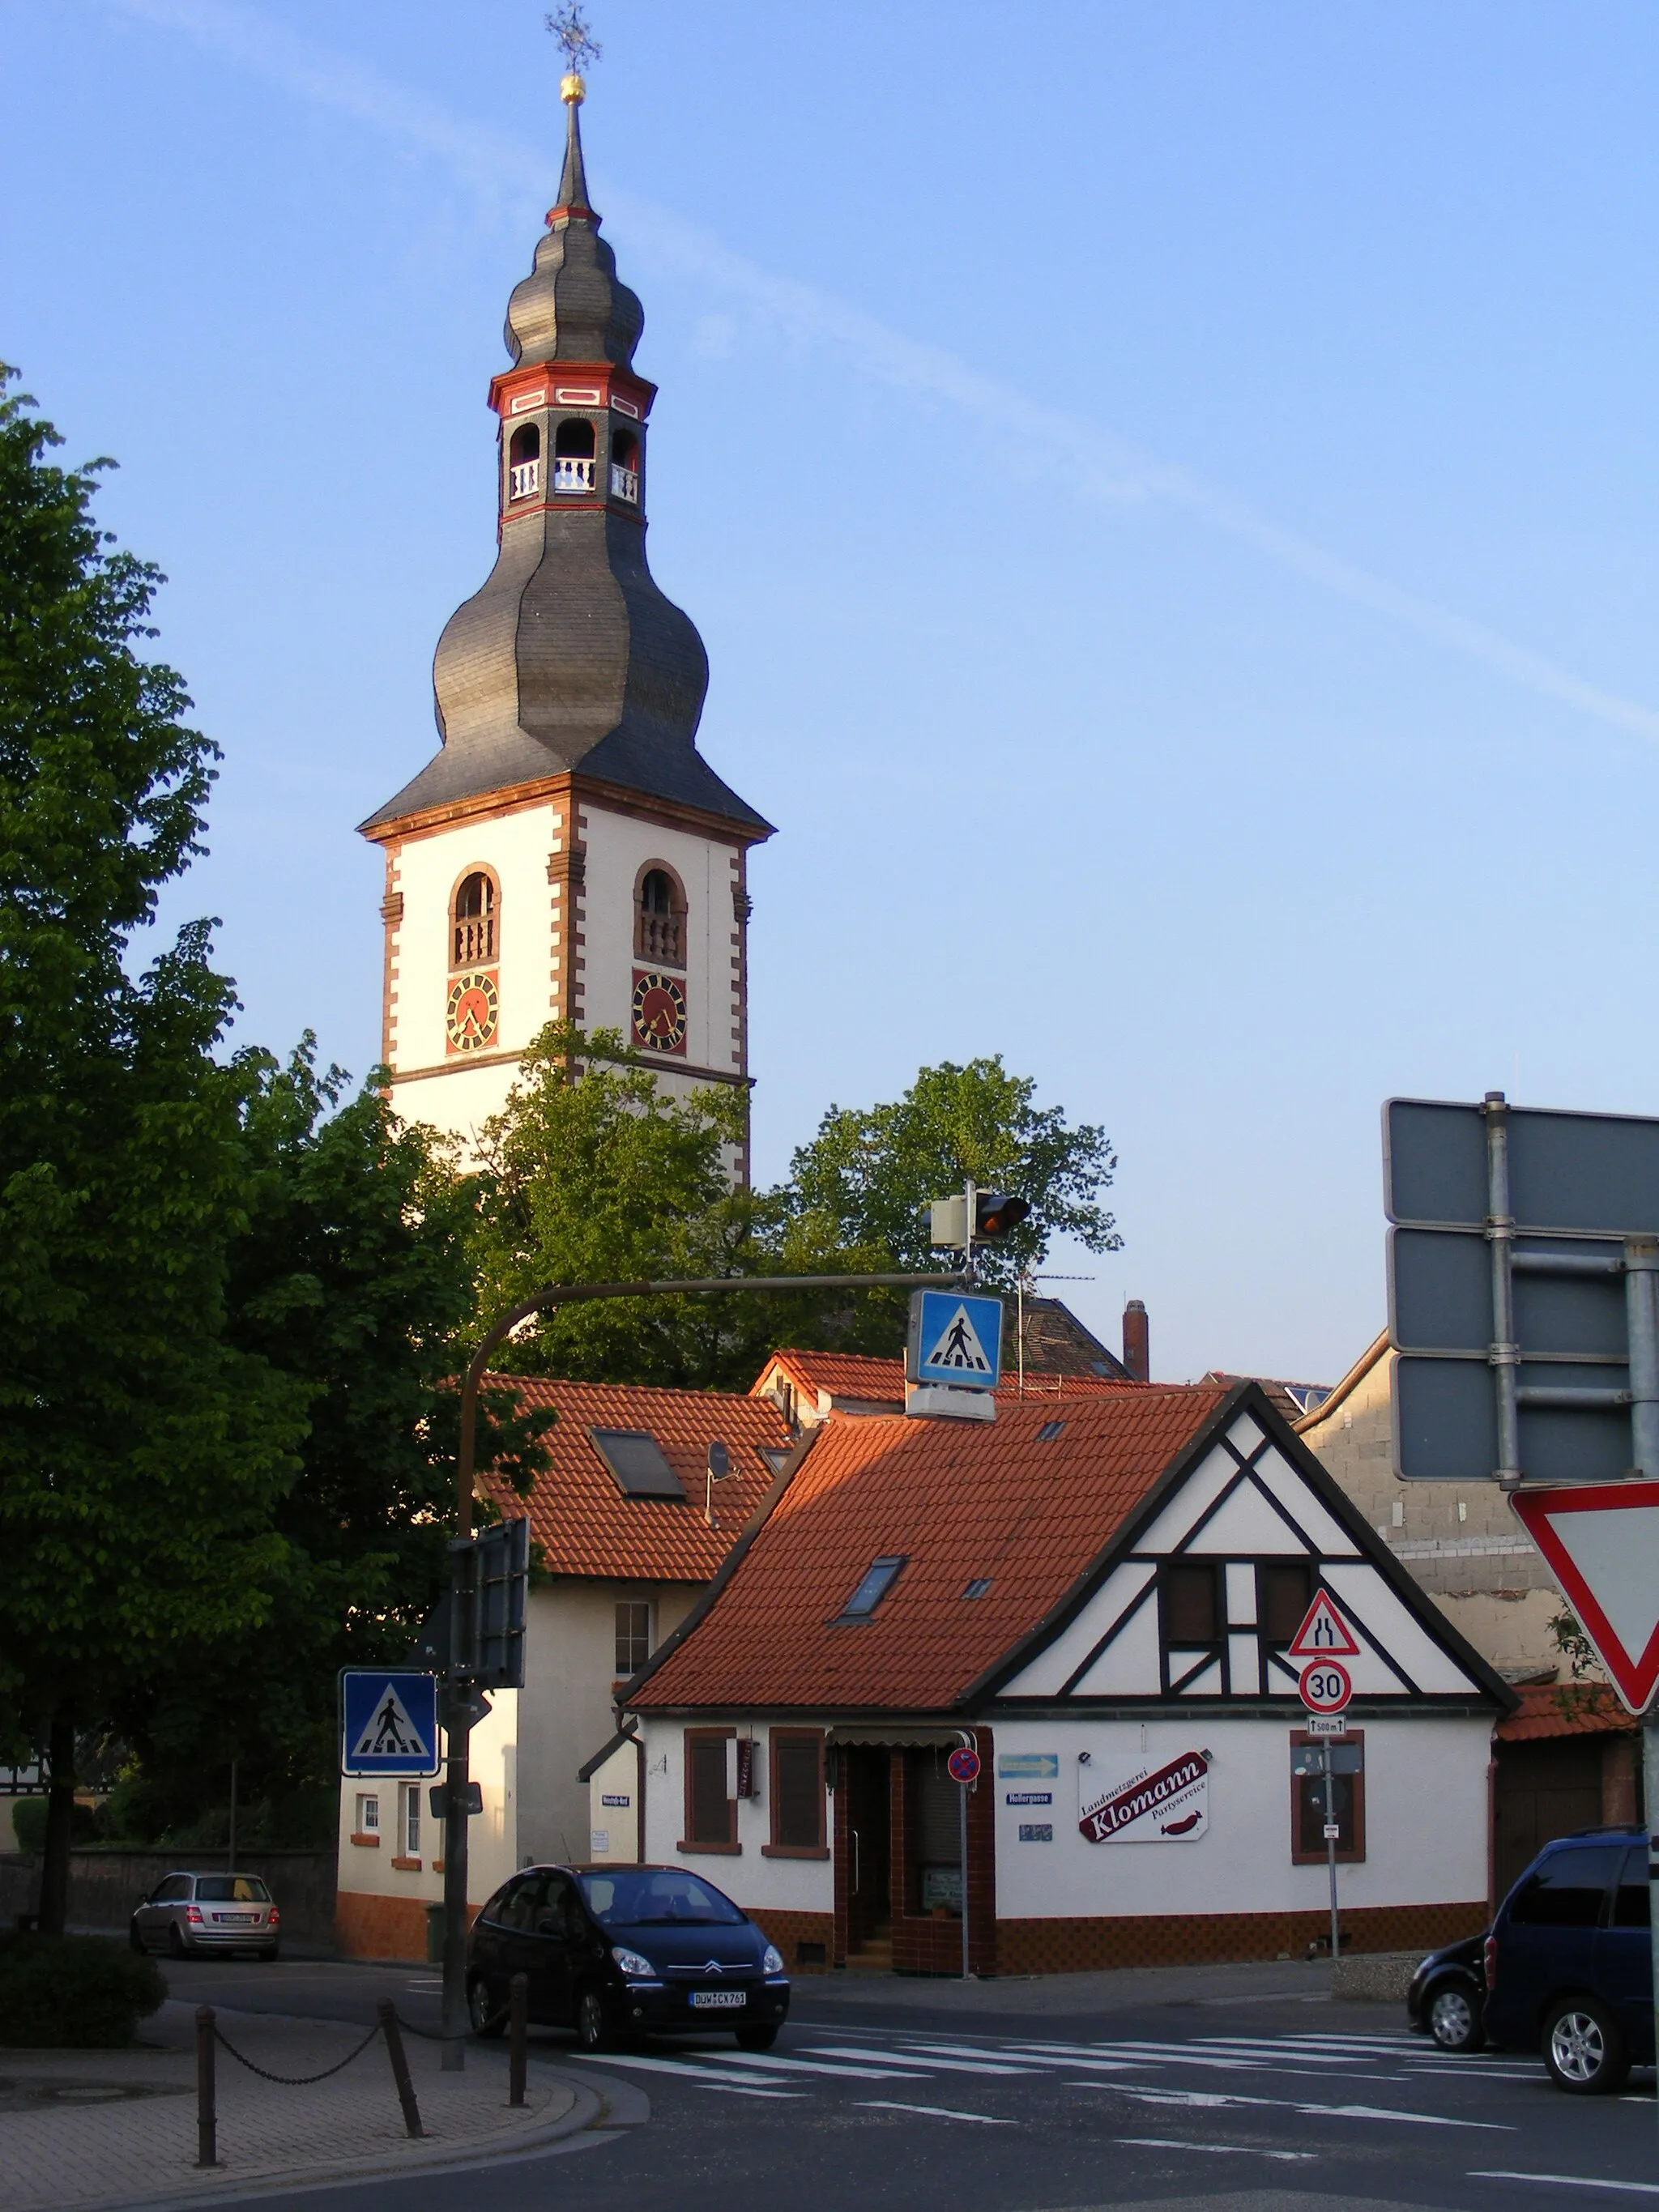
(660, 917)
(1191, 1614)
(878, 1579)
(1308, 1798)
(1283, 1589)
(711, 1805)
(369, 1814)
(409, 1820)
(473, 938)
(798, 1792)
(632, 1634)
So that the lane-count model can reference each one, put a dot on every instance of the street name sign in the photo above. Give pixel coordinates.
(1601, 1540)
(1324, 1633)
(388, 1722)
(954, 1339)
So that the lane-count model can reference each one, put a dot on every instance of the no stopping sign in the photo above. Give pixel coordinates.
(1325, 1686)
(964, 1763)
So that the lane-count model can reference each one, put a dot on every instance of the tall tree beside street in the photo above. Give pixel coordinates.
(142, 1452)
(865, 1178)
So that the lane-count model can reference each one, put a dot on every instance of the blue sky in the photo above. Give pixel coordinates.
(1170, 506)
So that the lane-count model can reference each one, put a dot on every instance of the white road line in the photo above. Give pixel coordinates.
(933, 2112)
(1244, 2150)
(1211, 2099)
(684, 2067)
(773, 2063)
(944, 2065)
(1570, 2181)
(741, 2089)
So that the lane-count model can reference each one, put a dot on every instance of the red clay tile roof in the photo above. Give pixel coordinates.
(1566, 1709)
(960, 1501)
(856, 1375)
(584, 1524)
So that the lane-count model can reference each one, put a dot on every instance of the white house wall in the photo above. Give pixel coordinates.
(755, 1881)
(1426, 1822)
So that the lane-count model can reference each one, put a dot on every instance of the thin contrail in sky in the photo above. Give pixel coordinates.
(1104, 470)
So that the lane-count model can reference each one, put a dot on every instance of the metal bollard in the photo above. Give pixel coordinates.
(207, 2107)
(518, 2022)
(394, 2044)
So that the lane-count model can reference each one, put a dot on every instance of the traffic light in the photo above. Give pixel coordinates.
(995, 1214)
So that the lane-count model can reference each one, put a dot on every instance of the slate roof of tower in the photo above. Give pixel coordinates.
(570, 657)
(962, 1501)
(581, 1520)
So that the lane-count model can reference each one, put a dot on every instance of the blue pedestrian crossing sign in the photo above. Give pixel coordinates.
(954, 1339)
(388, 1721)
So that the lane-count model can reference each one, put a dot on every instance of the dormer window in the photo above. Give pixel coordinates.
(573, 456)
(625, 467)
(660, 917)
(523, 473)
(472, 932)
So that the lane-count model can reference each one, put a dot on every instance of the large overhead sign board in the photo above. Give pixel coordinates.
(1521, 1240)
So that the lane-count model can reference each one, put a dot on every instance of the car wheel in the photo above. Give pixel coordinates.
(593, 2029)
(756, 2038)
(487, 2018)
(1454, 2017)
(176, 1942)
(1583, 2049)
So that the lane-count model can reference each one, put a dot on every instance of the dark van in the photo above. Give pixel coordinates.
(1569, 1963)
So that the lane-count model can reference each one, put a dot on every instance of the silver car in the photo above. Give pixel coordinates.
(187, 1913)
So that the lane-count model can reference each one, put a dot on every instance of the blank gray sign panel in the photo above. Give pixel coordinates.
(1595, 1173)
(1446, 1423)
(1440, 1297)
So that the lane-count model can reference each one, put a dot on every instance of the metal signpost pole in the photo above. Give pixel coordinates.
(962, 1789)
(1330, 1843)
(1505, 1352)
(1642, 1324)
(458, 1766)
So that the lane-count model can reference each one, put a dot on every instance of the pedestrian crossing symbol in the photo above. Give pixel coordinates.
(388, 1722)
(954, 1339)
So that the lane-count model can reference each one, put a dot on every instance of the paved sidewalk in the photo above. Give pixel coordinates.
(86, 2129)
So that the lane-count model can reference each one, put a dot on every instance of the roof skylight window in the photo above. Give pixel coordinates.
(635, 1460)
(978, 1586)
(1048, 1432)
(878, 1578)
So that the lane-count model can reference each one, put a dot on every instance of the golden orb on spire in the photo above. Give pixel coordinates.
(573, 89)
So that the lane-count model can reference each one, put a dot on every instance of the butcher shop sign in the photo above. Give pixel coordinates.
(1143, 1804)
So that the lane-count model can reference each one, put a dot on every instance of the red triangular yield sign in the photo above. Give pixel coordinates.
(1324, 1634)
(1601, 1541)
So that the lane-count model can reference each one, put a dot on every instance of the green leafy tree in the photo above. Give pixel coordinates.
(143, 1452)
(863, 1183)
(352, 1277)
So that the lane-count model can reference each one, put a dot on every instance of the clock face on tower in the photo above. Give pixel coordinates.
(473, 1014)
(659, 1011)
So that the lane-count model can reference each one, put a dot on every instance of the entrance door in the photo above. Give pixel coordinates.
(866, 1780)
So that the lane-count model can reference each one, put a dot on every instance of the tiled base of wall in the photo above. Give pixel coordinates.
(791, 1931)
(1071, 1946)
(369, 1927)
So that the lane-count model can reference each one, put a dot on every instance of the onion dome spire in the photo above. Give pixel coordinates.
(569, 657)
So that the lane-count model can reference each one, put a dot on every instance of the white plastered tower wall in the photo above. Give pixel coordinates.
(568, 872)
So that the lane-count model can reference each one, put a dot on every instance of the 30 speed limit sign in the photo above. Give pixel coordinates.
(1325, 1686)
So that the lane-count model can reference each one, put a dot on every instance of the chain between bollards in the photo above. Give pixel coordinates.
(207, 2106)
(394, 2044)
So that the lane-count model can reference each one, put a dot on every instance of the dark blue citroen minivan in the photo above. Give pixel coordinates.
(620, 1952)
(1569, 1963)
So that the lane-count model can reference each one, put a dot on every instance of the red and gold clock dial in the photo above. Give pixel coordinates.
(474, 1011)
(659, 1011)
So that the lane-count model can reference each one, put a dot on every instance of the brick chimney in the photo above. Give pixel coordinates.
(1137, 1342)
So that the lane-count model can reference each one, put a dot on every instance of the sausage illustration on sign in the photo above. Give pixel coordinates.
(1148, 1805)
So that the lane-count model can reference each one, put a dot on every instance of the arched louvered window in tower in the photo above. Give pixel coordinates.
(660, 917)
(474, 933)
(625, 467)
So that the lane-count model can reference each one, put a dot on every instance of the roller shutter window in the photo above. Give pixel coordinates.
(797, 1791)
(709, 1808)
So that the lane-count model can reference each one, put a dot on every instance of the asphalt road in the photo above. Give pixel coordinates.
(1028, 2098)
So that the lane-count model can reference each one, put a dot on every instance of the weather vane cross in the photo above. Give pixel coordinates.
(569, 27)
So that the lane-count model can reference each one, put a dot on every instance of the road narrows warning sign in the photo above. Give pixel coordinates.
(1324, 1634)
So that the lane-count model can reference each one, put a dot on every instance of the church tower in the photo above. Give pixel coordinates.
(568, 854)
